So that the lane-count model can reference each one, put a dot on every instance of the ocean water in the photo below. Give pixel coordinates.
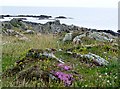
(95, 18)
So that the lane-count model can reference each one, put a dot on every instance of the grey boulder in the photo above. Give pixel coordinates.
(67, 37)
(97, 59)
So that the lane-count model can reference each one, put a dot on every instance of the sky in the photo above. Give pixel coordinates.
(62, 3)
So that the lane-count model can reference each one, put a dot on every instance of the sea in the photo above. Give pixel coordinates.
(94, 18)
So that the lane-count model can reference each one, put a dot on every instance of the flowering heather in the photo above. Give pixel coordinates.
(65, 67)
(66, 78)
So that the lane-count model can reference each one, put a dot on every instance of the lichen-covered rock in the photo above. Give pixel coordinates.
(77, 40)
(68, 37)
(99, 36)
(91, 58)
(96, 59)
(16, 22)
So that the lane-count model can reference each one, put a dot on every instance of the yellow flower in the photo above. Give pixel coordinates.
(47, 61)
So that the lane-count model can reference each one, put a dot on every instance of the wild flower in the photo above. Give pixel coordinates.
(60, 65)
(108, 81)
(100, 76)
(65, 67)
(66, 78)
(105, 73)
(116, 77)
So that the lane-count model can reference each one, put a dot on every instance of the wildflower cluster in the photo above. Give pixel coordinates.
(66, 78)
(65, 67)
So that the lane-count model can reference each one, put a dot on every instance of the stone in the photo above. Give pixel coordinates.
(109, 31)
(93, 58)
(77, 40)
(118, 31)
(29, 32)
(99, 36)
(44, 17)
(61, 17)
(96, 59)
(51, 55)
(68, 37)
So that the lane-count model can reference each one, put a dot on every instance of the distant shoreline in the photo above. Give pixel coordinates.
(56, 21)
(36, 16)
(42, 17)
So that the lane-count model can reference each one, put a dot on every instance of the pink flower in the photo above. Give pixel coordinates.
(60, 65)
(66, 78)
(65, 67)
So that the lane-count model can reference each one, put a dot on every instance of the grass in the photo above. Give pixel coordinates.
(15, 49)
(95, 76)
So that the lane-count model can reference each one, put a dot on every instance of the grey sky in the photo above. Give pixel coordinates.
(62, 3)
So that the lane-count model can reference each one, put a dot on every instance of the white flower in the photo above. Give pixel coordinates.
(105, 73)
(108, 81)
(116, 77)
(100, 76)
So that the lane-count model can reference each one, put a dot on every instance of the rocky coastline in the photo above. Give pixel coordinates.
(49, 27)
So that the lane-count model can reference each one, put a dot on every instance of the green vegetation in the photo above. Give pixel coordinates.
(88, 76)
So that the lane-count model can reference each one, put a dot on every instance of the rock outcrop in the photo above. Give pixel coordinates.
(44, 17)
(61, 17)
(10, 32)
(51, 27)
(100, 36)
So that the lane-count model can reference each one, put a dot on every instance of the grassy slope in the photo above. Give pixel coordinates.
(92, 76)
(15, 48)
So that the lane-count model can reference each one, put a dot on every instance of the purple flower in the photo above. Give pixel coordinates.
(66, 78)
(67, 83)
(57, 73)
(60, 65)
(65, 67)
